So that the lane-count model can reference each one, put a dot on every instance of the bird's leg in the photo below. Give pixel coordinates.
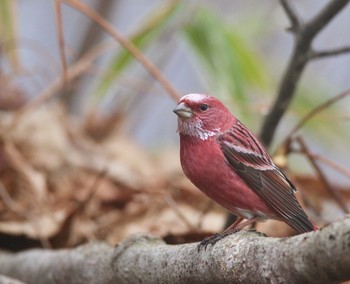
(234, 224)
(217, 237)
(244, 224)
(235, 227)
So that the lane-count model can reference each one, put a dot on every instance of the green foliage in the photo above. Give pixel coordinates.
(147, 34)
(233, 68)
(231, 63)
(8, 32)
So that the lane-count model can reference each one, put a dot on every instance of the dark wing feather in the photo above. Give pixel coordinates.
(252, 163)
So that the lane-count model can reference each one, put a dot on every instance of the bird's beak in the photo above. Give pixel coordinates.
(182, 110)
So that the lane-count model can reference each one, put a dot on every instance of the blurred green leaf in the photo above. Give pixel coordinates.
(8, 31)
(231, 63)
(149, 30)
(328, 123)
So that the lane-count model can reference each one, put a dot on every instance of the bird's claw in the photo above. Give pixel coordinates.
(212, 240)
(257, 232)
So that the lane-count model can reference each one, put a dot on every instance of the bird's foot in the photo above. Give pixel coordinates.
(257, 232)
(211, 240)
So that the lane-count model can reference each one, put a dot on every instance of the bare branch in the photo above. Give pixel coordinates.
(292, 15)
(285, 94)
(319, 21)
(312, 114)
(326, 53)
(299, 59)
(73, 71)
(17, 209)
(340, 169)
(128, 45)
(58, 14)
(335, 166)
(336, 196)
(172, 204)
(244, 257)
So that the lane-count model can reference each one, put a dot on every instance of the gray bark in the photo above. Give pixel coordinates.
(8, 280)
(245, 257)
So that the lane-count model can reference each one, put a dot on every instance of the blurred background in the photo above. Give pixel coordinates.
(89, 148)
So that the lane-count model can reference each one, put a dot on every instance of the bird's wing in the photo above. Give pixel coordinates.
(250, 160)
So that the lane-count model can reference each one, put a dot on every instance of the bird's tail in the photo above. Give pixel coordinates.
(301, 224)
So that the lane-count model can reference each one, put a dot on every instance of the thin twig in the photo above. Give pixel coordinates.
(75, 70)
(91, 192)
(58, 14)
(38, 49)
(206, 209)
(10, 203)
(35, 179)
(128, 45)
(340, 169)
(171, 202)
(321, 175)
(312, 114)
(19, 211)
(326, 53)
(292, 15)
(337, 167)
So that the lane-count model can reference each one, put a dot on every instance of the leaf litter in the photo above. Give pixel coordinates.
(60, 187)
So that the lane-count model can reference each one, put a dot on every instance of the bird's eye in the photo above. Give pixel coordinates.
(203, 107)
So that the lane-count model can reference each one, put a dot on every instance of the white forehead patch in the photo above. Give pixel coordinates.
(194, 97)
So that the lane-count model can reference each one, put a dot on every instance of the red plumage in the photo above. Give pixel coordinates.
(226, 162)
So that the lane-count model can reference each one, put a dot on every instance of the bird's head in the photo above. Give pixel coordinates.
(202, 116)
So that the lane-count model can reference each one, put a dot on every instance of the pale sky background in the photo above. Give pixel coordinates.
(158, 128)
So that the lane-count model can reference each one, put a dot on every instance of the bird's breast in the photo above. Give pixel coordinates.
(206, 166)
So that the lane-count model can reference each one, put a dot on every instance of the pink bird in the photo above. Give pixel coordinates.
(226, 162)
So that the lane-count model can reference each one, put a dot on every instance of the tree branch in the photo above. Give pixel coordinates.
(60, 37)
(127, 44)
(322, 177)
(299, 59)
(292, 15)
(311, 114)
(318, 22)
(244, 257)
(326, 53)
(73, 71)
